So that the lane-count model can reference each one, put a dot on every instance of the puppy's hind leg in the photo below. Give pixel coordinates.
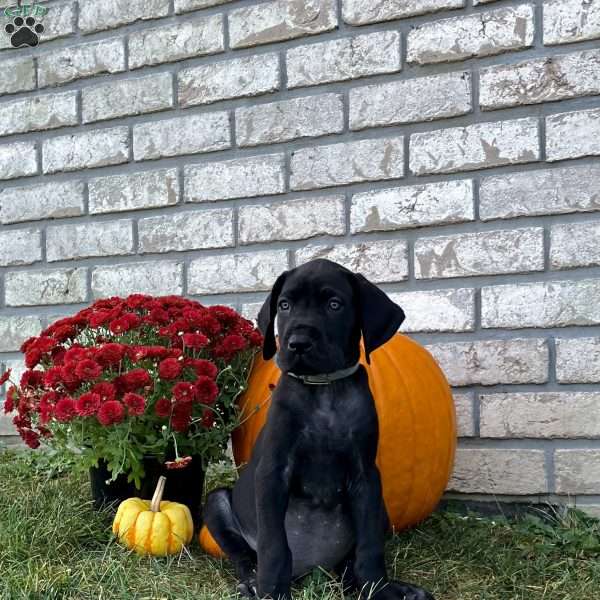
(222, 524)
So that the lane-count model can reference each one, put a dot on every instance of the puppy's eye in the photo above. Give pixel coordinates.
(335, 304)
(284, 305)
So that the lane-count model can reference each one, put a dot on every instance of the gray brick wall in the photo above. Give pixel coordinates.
(447, 149)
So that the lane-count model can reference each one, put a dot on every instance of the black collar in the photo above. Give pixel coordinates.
(323, 378)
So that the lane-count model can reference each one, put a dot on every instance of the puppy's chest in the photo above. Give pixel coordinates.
(327, 428)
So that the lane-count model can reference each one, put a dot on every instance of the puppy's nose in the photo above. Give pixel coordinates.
(299, 344)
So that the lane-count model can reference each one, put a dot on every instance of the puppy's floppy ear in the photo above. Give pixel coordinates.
(266, 318)
(379, 317)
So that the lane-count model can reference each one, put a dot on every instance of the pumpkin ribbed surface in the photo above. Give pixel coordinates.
(156, 533)
(417, 426)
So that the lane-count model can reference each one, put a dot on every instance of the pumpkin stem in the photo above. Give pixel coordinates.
(158, 494)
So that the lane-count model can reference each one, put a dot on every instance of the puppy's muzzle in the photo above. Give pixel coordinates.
(299, 344)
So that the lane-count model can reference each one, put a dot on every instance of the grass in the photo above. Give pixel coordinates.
(54, 545)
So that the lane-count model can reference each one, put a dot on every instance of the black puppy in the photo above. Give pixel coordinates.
(311, 494)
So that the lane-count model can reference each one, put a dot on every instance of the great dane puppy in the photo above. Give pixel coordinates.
(311, 494)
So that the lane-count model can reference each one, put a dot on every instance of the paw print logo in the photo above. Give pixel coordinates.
(24, 32)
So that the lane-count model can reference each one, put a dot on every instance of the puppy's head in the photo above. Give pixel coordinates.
(322, 309)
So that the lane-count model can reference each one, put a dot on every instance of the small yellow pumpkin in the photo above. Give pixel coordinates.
(153, 526)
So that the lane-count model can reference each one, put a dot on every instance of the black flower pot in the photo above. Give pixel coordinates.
(183, 485)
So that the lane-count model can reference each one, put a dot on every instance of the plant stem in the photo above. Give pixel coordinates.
(158, 494)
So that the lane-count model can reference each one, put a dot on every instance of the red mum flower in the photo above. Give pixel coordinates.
(182, 416)
(88, 369)
(5, 377)
(111, 412)
(136, 300)
(184, 391)
(158, 316)
(27, 344)
(208, 418)
(256, 338)
(88, 404)
(224, 314)
(32, 379)
(99, 318)
(142, 352)
(179, 463)
(202, 367)
(9, 401)
(53, 377)
(209, 324)
(170, 368)
(206, 390)
(120, 325)
(45, 344)
(162, 408)
(64, 410)
(58, 356)
(110, 354)
(62, 333)
(31, 438)
(105, 390)
(136, 379)
(195, 340)
(76, 353)
(135, 403)
(47, 403)
(230, 345)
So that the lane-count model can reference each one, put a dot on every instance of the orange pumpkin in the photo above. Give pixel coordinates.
(417, 426)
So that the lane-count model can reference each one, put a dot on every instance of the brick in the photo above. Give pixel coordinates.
(567, 21)
(18, 160)
(19, 78)
(343, 59)
(573, 134)
(411, 100)
(437, 310)
(158, 278)
(280, 20)
(78, 62)
(289, 120)
(108, 14)
(499, 471)
(477, 146)
(577, 471)
(362, 12)
(238, 78)
(575, 245)
(97, 148)
(84, 240)
(492, 362)
(546, 192)
(540, 80)
(192, 134)
(238, 178)
(481, 253)
(20, 247)
(540, 415)
(543, 304)
(412, 206)
(188, 5)
(6, 427)
(135, 191)
(379, 261)
(49, 201)
(292, 220)
(477, 35)
(187, 231)
(578, 360)
(198, 37)
(14, 330)
(465, 417)
(225, 273)
(346, 163)
(60, 24)
(250, 310)
(127, 97)
(38, 113)
(34, 288)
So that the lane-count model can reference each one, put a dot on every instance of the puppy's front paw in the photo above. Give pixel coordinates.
(247, 589)
(397, 590)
